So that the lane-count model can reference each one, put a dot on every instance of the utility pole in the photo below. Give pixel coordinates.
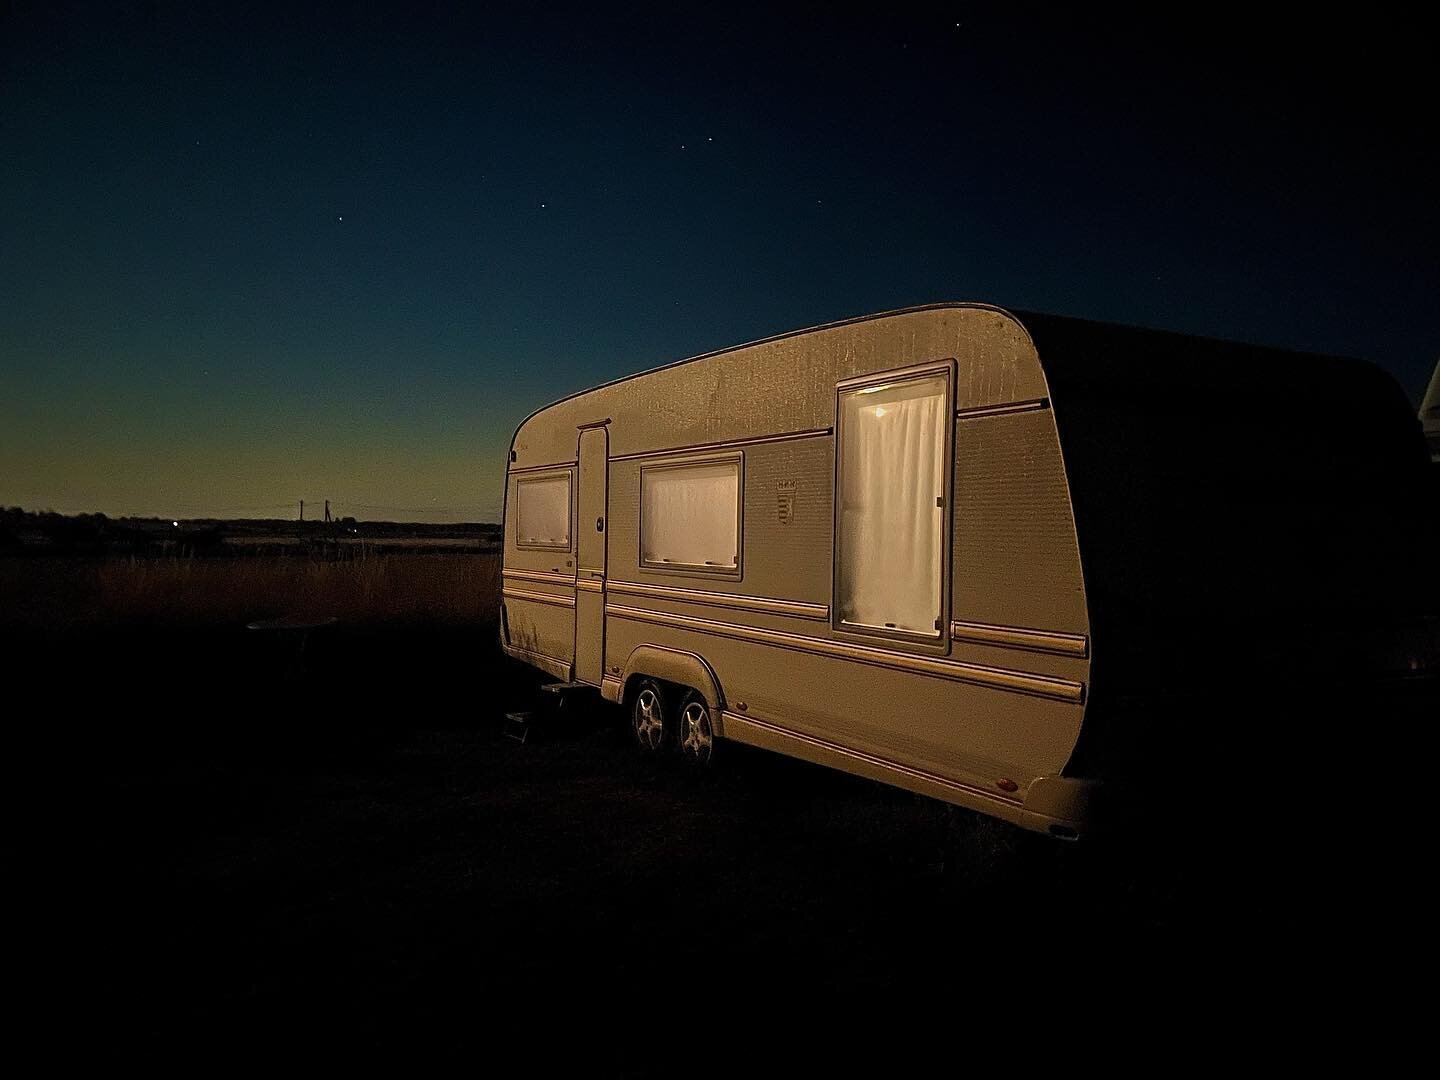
(302, 509)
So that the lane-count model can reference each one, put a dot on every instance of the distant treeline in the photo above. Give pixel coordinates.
(46, 532)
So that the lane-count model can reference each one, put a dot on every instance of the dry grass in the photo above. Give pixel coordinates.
(57, 595)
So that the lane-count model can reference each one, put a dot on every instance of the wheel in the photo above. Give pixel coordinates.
(648, 717)
(697, 734)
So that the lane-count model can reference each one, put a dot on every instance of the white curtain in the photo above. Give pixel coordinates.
(892, 474)
(542, 511)
(689, 515)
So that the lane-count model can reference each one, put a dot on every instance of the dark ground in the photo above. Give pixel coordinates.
(359, 857)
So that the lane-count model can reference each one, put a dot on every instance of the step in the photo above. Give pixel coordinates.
(517, 726)
(563, 688)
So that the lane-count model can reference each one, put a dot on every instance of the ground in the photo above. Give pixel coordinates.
(234, 846)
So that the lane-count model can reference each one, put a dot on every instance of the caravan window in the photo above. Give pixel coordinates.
(690, 516)
(542, 512)
(890, 506)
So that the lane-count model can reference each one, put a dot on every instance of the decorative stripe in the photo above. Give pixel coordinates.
(549, 577)
(538, 597)
(726, 600)
(979, 411)
(1020, 682)
(590, 585)
(514, 469)
(1017, 637)
(699, 447)
(735, 723)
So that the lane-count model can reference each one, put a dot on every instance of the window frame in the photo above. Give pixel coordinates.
(735, 573)
(568, 472)
(937, 643)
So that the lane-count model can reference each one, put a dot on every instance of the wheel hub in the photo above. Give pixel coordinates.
(697, 740)
(649, 723)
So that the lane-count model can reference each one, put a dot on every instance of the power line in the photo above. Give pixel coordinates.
(410, 509)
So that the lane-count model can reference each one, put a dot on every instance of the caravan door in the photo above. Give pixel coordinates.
(593, 454)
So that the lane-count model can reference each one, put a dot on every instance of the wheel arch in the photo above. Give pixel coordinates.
(673, 666)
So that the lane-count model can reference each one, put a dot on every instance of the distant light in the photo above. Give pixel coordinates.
(175, 523)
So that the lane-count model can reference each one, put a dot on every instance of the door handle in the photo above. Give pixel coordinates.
(600, 524)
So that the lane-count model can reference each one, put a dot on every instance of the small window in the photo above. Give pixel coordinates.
(542, 512)
(890, 506)
(690, 517)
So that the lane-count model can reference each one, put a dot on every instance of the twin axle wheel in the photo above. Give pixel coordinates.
(697, 737)
(658, 723)
(647, 715)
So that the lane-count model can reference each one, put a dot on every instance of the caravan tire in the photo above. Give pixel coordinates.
(695, 730)
(650, 717)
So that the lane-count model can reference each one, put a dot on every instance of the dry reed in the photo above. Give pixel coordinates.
(61, 594)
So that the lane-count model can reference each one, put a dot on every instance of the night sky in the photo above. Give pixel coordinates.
(255, 257)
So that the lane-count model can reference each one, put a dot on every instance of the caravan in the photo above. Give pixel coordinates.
(975, 554)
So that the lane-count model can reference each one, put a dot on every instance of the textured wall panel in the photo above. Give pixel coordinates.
(541, 628)
(788, 519)
(788, 384)
(1016, 561)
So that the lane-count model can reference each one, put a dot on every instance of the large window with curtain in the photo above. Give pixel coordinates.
(690, 516)
(891, 505)
(542, 511)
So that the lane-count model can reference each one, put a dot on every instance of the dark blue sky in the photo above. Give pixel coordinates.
(255, 256)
